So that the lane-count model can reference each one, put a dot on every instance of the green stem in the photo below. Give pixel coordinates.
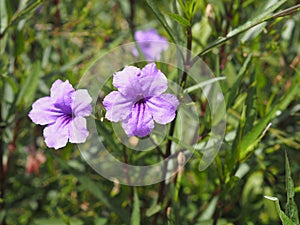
(187, 66)
(131, 16)
(2, 172)
(125, 168)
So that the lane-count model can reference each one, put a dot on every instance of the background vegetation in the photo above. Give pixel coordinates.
(41, 41)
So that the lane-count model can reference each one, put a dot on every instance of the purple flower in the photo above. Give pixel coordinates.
(150, 43)
(139, 100)
(63, 111)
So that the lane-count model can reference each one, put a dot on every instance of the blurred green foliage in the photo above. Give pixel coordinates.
(41, 41)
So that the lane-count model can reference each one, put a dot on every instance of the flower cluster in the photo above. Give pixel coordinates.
(140, 100)
(138, 103)
(63, 111)
(150, 43)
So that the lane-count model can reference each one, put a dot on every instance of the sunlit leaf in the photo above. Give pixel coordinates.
(178, 18)
(3, 17)
(283, 217)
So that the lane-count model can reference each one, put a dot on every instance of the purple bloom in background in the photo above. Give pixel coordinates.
(151, 44)
(63, 111)
(139, 100)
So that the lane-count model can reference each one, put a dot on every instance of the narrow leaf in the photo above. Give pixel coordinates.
(29, 87)
(3, 16)
(2, 214)
(90, 185)
(284, 219)
(250, 102)
(234, 89)
(203, 84)
(180, 19)
(94, 189)
(135, 216)
(153, 210)
(20, 14)
(251, 138)
(266, 16)
(161, 19)
(255, 135)
(184, 145)
(291, 207)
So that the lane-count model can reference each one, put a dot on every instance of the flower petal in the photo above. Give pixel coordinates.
(163, 108)
(56, 135)
(150, 43)
(117, 106)
(81, 105)
(139, 122)
(60, 90)
(153, 81)
(127, 81)
(78, 131)
(153, 52)
(44, 112)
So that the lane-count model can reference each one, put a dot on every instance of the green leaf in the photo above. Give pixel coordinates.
(203, 84)
(283, 217)
(237, 84)
(69, 65)
(11, 81)
(2, 214)
(106, 133)
(20, 14)
(135, 216)
(20, 43)
(56, 221)
(229, 186)
(232, 160)
(209, 211)
(161, 19)
(153, 210)
(63, 216)
(180, 19)
(250, 139)
(100, 221)
(266, 16)
(189, 7)
(96, 190)
(3, 17)
(291, 93)
(250, 105)
(184, 145)
(27, 92)
(291, 207)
